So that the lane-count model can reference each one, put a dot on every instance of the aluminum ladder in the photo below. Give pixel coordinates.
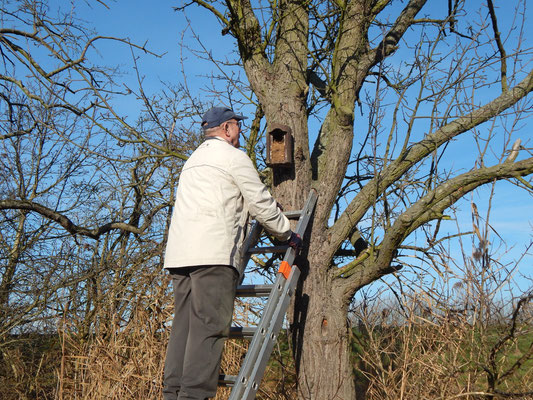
(263, 337)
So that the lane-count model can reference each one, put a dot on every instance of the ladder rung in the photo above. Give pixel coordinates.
(293, 214)
(272, 249)
(226, 380)
(242, 332)
(254, 290)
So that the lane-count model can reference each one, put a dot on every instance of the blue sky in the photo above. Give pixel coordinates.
(162, 29)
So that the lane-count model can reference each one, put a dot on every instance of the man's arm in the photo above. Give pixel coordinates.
(262, 205)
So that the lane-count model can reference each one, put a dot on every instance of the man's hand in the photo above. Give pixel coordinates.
(295, 241)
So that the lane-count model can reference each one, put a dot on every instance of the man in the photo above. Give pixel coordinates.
(218, 188)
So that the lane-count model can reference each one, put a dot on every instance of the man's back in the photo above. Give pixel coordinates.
(218, 187)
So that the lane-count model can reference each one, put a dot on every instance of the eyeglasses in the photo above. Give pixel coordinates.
(236, 122)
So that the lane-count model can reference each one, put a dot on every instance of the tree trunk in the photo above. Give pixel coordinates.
(320, 329)
(321, 338)
(8, 275)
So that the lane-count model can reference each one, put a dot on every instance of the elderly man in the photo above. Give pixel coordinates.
(218, 189)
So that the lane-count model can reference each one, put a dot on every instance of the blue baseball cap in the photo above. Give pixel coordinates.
(218, 115)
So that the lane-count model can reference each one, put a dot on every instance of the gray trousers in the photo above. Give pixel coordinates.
(203, 307)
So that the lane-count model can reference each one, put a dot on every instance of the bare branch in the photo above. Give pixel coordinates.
(501, 49)
(433, 204)
(389, 44)
(419, 151)
(70, 226)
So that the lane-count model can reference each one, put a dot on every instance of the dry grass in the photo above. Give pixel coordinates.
(28, 367)
(411, 352)
(437, 357)
(127, 362)
(121, 363)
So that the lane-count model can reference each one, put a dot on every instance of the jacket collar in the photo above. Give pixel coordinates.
(214, 137)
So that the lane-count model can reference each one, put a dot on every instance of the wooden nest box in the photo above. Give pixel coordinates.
(279, 146)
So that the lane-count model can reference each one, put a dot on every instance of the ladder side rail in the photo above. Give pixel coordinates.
(258, 370)
(255, 232)
(250, 365)
(273, 293)
(301, 227)
(306, 213)
(257, 341)
(271, 320)
(249, 242)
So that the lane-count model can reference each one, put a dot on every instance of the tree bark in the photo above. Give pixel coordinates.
(6, 283)
(321, 337)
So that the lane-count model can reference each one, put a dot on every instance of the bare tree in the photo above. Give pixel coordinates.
(392, 88)
(85, 193)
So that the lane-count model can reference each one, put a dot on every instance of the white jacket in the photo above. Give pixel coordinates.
(218, 188)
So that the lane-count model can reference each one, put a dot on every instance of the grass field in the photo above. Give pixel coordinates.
(414, 361)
